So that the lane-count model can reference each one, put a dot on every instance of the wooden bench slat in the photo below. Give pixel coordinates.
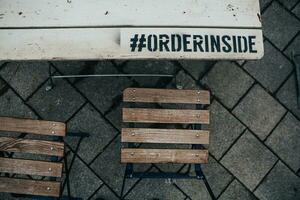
(129, 155)
(143, 115)
(31, 146)
(30, 187)
(30, 167)
(148, 95)
(32, 126)
(175, 136)
(94, 13)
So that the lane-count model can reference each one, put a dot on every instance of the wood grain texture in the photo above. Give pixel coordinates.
(103, 43)
(31, 146)
(148, 95)
(30, 167)
(163, 156)
(29, 187)
(112, 13)
(173, 136)
(142, 115)
(32, 126)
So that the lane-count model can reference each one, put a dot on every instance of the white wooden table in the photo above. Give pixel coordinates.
(130, 29)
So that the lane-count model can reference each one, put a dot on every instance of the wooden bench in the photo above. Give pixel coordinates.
(20, 166)
(133, 29)
(165, 116)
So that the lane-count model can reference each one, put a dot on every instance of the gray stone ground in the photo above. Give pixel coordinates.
(255, 129)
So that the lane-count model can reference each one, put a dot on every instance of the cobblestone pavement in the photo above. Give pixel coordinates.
(255, 129)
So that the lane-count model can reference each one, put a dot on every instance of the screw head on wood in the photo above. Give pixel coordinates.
(53, 132)
(53, 124)
(51, 148)
(131, 153)
(48, 188)
(197, 155)
(50, 169)
(133, 134)
(197, 135)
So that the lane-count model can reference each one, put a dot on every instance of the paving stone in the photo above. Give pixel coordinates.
(88, 120)
(114, 116)
(228, 82)
(280, 184)
(184, 81)
(196, 189)
(224, 129)
(237, 191)
(58, 104)
(288, 95)
(296, 10)
(72, 67)
(149, 67)
(78, 68)
(259, 111)
(3, 87)
(293, 47)
(25, 77)
(285, 141)
(289, 3)
(264, 3)
(149, 189)
(102, 92)
(196, 68)
(83, 182)
(217, 177)
(241, 62)
(109, 168)
(279, 26)
(120, 62)
(12, 106)
(249, 160)
(271, 70)
(105, 194)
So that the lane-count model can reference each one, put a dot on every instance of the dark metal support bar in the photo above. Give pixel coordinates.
(52, 77)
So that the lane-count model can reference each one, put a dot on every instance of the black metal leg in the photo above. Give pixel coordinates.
(51, 84)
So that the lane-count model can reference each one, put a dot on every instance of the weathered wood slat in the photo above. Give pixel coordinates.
(163, 156)
(30, 167)
(148, 95)
(105, 43)
(32, 126)
(31, 146)
(29, 187)
(175, 136)
(143, 115)
(95, 13)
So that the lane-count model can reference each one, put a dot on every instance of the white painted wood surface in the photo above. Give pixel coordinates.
(102, 29)
(105, 43)
(84, 13)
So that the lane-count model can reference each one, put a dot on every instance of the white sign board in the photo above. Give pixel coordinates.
(130, 29)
